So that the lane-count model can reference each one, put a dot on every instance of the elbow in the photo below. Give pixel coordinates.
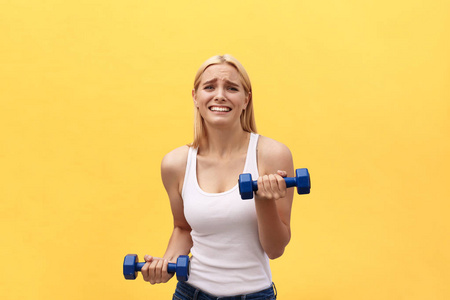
(275, 249)
(274, 254)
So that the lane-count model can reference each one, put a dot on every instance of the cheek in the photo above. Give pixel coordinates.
(202, 102)
(240, 100)
(203, 96)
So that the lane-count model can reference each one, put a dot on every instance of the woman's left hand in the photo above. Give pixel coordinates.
(272, 186)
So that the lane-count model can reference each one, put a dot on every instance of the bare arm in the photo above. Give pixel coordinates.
(172, 173)
(272, 200)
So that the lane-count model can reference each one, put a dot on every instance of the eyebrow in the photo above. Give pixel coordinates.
(232, 83)
(210, 81)
(215, 80)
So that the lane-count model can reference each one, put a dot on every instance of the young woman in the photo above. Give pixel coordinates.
(231, 240)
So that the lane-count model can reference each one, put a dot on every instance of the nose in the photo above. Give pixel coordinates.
(220, 95)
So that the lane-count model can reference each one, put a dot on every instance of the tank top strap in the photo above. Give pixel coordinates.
(251, 163)
(190, 169)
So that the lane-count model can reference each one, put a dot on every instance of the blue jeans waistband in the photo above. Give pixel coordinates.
(185, 291)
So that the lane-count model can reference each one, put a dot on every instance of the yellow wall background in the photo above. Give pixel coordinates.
(94, 93)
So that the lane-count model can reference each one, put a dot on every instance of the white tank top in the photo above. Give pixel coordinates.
(227, 257)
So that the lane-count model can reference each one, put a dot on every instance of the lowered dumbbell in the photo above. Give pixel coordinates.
(301, 181)
(131, 266)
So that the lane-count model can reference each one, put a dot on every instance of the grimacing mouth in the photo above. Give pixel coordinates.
(219, 108)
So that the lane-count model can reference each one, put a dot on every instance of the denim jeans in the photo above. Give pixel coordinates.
(186, 291)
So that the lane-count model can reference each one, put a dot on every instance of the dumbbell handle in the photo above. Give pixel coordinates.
(290, 182)
(171, 267)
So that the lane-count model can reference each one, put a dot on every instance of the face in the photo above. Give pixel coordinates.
(220, 96)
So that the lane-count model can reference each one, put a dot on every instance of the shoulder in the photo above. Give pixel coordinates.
(272, 149)
(173, 166)
(174, 162)
(273, 156)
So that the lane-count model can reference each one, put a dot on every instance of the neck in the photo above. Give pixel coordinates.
(222, 143)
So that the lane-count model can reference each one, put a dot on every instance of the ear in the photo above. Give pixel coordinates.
(247, 99)
(194, 97)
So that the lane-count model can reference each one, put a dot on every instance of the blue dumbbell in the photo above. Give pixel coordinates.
(301, 181)
(131, 266)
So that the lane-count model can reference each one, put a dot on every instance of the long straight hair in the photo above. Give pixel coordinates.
(247, 117)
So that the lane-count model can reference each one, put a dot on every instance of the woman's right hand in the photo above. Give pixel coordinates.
(155, 270)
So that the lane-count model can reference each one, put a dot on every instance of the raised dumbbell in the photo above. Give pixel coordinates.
(131, 266)
(301, 181)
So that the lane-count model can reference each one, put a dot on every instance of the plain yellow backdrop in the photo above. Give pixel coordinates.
(94, 93)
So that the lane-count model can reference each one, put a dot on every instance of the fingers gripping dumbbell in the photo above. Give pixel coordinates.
(131, 266)
(301, 181)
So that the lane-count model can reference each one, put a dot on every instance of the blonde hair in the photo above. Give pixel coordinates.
(247, 117)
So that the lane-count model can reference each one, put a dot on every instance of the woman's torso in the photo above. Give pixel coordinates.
(227, 257)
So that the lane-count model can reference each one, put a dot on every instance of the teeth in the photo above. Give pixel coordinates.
(216, 108)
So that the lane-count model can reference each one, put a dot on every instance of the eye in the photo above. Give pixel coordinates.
(233, 88)
(208, 87)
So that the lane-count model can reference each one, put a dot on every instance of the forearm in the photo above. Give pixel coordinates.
(274, 235)
(180, 243)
